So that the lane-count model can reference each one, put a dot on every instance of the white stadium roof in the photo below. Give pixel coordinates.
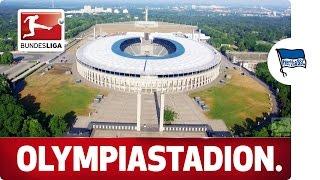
(197, 56)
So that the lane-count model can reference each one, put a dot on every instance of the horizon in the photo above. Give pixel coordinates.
(77, 3)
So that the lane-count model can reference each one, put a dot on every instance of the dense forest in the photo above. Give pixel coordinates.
(79, 23)
(8, 31)
(239, 33)
(243, 33)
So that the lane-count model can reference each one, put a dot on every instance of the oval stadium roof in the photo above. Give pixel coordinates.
(195, 57)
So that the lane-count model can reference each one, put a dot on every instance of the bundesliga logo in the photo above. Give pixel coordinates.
(41, 30)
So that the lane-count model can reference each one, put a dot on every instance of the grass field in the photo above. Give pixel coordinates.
(240, 98)
(58, 94)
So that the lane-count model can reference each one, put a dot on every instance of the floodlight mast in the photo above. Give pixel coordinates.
(52, 4)
(146, 13)
(146, 33)
(94, 32)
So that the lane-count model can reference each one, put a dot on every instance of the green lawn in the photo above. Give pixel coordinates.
(239, 99)
(58, 94)
(70, 98)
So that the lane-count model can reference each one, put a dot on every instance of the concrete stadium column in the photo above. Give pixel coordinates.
(138, 111)
(161, 112)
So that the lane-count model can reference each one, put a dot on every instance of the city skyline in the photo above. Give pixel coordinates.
(77, 3)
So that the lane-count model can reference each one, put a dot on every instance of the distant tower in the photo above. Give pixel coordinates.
(199, 37)
(94, 32)
(146, 14)
(52, 4)
(192, 34)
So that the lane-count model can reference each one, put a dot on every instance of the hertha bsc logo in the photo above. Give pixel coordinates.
(41, 30)
(291, 58)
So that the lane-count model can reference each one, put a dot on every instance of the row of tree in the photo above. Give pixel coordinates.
(15, 120)
(252, 128)
(81, 22)
(283, 92)
(278, 128)
(6, 58)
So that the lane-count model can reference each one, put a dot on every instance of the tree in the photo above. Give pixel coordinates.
(11, 115)
(261, 133)
(6, 58)
(31, 127)
(4, 85)
(11, 111)
(223, 50)
(169, 115)
(241, 46)
(262, 47)
(16, 121)
(281, 128)
(13, 121)
(278, 128)
(250, 41)
(58, 126)
(284, 94)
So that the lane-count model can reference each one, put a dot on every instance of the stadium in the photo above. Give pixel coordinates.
(153, 58)
(147, 63)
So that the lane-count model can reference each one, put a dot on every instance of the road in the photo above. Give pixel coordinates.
(28, 60)
(28, 56)
(25, 62)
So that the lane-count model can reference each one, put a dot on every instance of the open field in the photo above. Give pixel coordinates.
(240, 98)
(57, 93)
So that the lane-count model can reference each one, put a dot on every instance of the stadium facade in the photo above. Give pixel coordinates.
(165, 64)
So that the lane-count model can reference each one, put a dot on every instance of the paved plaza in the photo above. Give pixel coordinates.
(119, 107)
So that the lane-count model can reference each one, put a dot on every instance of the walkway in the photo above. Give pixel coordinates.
(119, 107)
